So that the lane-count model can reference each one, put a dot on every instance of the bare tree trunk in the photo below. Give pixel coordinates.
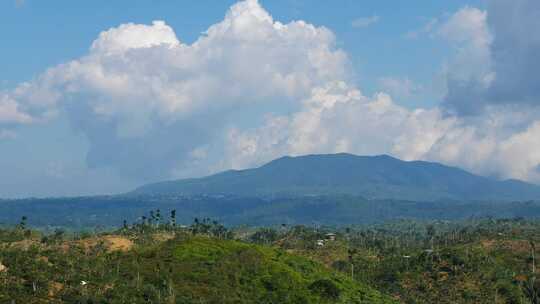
(533, 258)
(533, 272)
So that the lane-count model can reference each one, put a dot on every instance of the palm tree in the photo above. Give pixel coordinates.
(351, 253)
(173, 218)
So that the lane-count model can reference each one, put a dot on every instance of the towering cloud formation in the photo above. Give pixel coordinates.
(496, 62)
(515, 50)
(251, 89)
(149, 103)
(470, 71)
(493, 87)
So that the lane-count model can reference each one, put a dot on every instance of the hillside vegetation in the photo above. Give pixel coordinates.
(165, 267)
(106, 212)
(157, 261)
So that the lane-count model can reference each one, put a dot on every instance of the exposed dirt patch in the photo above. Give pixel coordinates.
(163, 237)
(2, 268)
(488, 244)
(86, 244)
(45, 260)
(55, 288)
(118, 243)
(516, 246)
(23, 245)
(108, 243)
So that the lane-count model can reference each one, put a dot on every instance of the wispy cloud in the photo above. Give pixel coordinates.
(365, 21)
(424, 30)
(20, 3)
(399, 87)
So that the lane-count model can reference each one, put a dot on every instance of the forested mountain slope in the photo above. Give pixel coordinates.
(373, 177)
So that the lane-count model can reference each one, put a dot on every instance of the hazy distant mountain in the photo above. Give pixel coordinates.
(380, 177)
(339, 189)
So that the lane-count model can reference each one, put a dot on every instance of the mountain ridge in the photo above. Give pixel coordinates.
(374, 177)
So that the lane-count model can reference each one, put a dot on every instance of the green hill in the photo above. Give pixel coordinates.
(235, 272)
(373, 177)
(186, 269)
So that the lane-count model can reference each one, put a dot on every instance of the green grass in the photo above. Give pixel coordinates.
(218, 271)
(186, 269)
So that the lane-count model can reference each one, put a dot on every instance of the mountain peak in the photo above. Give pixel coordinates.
(379, 176)
(329, 157)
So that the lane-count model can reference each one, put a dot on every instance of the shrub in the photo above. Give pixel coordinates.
(326, 289)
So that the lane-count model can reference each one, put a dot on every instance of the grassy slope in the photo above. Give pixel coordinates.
(234, 272)
(476, 272)
(187, 269)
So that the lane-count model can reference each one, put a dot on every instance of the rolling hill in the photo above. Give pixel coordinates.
(373, 177)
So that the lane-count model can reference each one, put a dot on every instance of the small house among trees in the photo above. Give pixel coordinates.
(330, 236)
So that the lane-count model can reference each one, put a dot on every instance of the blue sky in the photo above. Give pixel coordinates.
(82, 113)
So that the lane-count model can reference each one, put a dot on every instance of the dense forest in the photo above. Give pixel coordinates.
(106, 212)
(158, 260)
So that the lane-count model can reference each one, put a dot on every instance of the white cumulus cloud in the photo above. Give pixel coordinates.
(141, 96)
(365, 21)
(10, 112)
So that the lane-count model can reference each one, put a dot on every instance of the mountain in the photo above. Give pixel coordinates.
(336, 190)
(373, 177)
